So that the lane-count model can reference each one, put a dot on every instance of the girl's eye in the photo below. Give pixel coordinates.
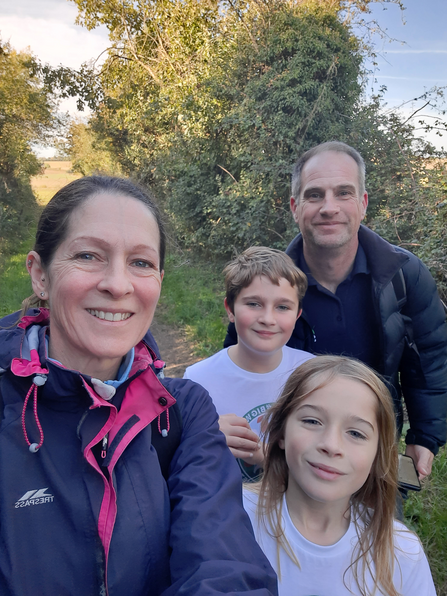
(357, 435)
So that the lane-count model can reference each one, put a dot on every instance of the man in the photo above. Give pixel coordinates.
(367, 298)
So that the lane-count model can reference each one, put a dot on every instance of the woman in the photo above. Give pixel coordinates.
(85, 509)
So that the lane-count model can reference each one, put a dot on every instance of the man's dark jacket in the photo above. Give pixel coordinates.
(413, 337)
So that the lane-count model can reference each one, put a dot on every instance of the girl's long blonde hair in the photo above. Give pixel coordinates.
(373, 505)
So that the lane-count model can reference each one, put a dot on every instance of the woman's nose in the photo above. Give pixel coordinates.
(116, 280)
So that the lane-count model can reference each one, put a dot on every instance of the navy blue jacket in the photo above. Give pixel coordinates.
(413, 337)
(81, 518)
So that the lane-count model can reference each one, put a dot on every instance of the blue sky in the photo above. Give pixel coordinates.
(417, 60)
(414, 63)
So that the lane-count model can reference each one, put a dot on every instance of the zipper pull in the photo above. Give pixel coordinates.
(105, 440)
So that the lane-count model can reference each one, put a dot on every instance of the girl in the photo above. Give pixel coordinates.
(324, 510)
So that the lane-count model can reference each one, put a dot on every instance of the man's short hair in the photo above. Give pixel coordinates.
(260, 260)
(322, 148)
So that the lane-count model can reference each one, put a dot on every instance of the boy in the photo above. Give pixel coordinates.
(264, 290)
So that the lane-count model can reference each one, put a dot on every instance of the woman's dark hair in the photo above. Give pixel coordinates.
(54, 221)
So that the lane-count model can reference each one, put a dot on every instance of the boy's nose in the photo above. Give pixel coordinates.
(267, 316)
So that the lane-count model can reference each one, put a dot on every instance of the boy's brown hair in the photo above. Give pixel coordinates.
(260, 260)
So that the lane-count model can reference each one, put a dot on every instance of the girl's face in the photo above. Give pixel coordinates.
(330, 442)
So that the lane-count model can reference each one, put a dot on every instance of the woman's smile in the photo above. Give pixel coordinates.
(109, 316)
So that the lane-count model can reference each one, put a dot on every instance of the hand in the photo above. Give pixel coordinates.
(242, 441)
(422, 457)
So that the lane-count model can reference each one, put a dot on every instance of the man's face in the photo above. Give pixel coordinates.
(330, 207)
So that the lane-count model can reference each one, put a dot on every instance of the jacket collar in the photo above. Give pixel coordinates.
(384, 259)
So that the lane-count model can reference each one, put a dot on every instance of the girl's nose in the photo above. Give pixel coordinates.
(331, 442)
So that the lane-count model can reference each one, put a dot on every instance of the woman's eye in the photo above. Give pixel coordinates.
(143, 264)
(85, 256)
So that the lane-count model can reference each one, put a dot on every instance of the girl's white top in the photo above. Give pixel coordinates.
(323, 568)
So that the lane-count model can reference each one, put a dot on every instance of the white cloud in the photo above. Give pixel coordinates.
(415, 51)
(53, 41)
(423, 79)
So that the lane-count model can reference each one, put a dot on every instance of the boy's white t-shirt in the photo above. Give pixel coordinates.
(322, 567)
(246, 394)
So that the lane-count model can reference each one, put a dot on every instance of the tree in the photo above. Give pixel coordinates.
(210, 103)
(88, 153)
(26, 116)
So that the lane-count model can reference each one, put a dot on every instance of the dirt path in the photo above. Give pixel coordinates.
(175, 348)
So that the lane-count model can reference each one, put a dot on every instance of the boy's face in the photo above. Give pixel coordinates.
(265, 314)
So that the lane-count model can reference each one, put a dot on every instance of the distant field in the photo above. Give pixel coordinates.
(56, 175)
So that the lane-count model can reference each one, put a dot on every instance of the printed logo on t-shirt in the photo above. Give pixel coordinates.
(255, 417)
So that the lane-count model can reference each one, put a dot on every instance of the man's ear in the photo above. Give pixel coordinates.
(229, 312)
(294, 208)
(39, 280)
(364, 204)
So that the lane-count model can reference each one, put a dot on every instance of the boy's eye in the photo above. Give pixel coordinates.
(253, 304)
(283, 307)
(310, 421)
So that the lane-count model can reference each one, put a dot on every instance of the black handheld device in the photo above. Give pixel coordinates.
(408, 475)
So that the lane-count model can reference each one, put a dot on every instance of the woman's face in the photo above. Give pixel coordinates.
(103, 284)
(330, 442)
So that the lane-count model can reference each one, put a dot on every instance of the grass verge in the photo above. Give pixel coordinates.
(192, 297)
(426, 514)
(15, 283)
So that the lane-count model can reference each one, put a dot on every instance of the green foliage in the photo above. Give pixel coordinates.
(426, 514)
(26, 116)
(88, 153)
(15, 282)
(192, 297)
(210, 103)
(407, 186)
